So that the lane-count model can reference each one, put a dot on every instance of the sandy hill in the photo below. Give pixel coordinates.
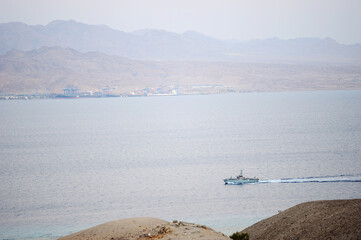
(336, 219)
(51, 69)
(146, 228)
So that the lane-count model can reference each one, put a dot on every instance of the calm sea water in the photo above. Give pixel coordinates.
(66, 165)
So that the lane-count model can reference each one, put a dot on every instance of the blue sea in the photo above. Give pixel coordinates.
(70, 164)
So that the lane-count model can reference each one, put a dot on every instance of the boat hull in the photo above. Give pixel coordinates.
(239, 181)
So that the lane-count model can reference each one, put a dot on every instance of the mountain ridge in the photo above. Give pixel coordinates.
(150, 44)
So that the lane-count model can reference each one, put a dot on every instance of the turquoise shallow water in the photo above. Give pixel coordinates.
(70, 164)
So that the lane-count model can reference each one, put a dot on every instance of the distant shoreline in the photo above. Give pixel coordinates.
(9, 96)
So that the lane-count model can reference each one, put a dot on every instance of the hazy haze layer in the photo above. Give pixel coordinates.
(231, 19)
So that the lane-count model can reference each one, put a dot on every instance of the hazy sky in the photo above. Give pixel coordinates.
(222, 19)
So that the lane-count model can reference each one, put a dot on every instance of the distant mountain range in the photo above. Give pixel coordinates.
(51, 69)
(162, 45)
(68, 53)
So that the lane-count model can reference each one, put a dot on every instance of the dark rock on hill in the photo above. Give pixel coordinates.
(335, 219)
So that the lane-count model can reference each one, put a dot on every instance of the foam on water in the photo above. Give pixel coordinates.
(323, 179)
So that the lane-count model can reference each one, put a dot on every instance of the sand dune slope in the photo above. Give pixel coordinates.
(146, 228)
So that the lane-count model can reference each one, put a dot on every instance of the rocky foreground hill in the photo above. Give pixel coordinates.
(146, 228)
(335, 219)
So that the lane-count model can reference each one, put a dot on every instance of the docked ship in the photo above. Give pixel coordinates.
(240, 179)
